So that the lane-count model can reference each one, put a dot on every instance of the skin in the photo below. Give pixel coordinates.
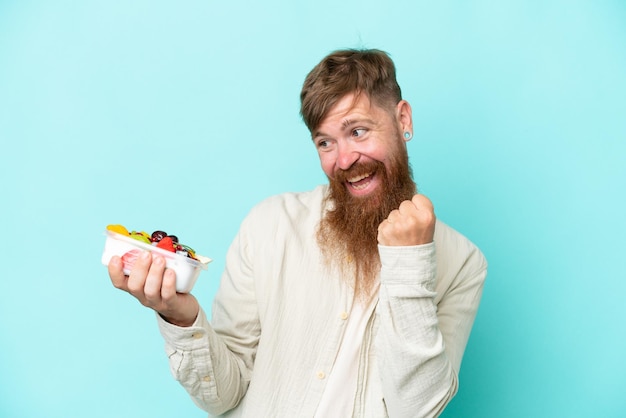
(362, 131)
(155, 287)
(351, 132)
(358, 132)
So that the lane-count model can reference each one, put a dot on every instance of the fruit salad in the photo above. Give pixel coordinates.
(181, 258)
(160, 239)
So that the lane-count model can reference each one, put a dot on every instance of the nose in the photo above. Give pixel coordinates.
(346, 155)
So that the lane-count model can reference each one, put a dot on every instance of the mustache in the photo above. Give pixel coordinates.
(357, 169)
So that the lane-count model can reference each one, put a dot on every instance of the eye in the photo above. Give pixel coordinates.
(358, 132)
(323, 144)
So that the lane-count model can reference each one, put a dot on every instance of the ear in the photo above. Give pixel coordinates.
(404, 117)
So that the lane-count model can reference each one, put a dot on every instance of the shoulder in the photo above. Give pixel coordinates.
(291, 209)
(291, 203)
(456, 253)
(449, 240)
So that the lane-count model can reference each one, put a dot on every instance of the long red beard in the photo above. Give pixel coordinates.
(348, 232)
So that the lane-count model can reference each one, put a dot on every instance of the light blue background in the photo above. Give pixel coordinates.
(182, 115)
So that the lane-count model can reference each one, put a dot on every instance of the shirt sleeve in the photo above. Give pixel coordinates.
(425, 320)
(214, 361)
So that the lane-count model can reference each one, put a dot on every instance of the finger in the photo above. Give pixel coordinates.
(421, 202)
(424, 210)
(393, 216)
(137, 279)
(168, 289)
(407, 208)
(154, 279)
(116, 273)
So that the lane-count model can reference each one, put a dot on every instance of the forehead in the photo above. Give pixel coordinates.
(349, 103)
(351, 107)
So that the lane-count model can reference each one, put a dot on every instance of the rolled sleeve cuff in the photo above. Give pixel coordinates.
(185, 338)
(408, 265)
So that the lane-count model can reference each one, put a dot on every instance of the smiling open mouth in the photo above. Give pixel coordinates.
(360, 182)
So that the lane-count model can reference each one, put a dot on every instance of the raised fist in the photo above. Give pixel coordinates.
(413, 223)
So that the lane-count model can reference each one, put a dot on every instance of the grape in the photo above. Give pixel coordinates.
(158, 236)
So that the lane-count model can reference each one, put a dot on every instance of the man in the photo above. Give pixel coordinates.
(348, 300)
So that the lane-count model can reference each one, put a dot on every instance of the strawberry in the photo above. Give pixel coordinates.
(167, 244)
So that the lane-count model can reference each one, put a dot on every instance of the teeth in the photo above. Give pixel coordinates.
(358, 178)
(359, 187)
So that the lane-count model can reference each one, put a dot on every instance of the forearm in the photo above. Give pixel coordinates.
(417, 376)
(199, 360)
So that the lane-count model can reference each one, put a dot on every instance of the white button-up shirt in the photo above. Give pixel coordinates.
(275, 330)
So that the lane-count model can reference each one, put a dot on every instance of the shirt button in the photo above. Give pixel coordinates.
(206, 379)
(321, 375)
(343, 315)
(197, 335)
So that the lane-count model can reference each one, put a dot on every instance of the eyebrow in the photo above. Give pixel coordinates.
(347, 122)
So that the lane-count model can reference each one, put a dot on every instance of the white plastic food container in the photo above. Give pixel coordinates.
(187, 269)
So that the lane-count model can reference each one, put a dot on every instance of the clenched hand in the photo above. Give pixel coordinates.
(413, 223)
